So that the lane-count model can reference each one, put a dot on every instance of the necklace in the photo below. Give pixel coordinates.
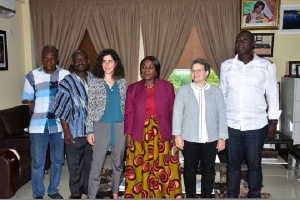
(149, 86)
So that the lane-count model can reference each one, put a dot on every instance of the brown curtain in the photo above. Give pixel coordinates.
(218, 23)
(116, 24)
(166, 26)
(61, 23)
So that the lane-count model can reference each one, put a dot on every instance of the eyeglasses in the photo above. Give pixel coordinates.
(196, 71)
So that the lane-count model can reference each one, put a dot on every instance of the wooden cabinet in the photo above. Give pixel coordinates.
(290, 105)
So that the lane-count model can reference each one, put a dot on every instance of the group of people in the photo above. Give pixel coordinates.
(94, 113)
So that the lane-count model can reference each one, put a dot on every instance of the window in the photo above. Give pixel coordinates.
(192, 50)
(180, 77)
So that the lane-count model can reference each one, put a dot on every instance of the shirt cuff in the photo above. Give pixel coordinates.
(274, 114)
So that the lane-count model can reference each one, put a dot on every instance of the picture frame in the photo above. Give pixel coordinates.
(252, 18)
(294, 68)
(289, 19)
(3, 51)
(298, 70)
(264, 44)
(279, 94)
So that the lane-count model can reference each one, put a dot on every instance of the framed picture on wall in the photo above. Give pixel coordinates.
(290, 19)
(298, 70)
(262, 14)
(294, 68)
(264, 44)
(3, 51)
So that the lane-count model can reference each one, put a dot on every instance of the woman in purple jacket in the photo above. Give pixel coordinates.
(152, 162)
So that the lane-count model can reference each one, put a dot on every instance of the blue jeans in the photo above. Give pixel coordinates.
(250, 144)
(39, 144)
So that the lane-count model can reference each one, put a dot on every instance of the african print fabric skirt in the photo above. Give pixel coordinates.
(152, 168)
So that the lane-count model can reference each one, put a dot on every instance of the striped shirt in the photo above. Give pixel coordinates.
(71, 103)
(41, 88)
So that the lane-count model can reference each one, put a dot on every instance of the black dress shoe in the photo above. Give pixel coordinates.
(208, 196)
(55, 196)
(74, 197)
(38, 197)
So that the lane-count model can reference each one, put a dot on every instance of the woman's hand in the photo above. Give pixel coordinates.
(91, 139)
(179, 142)
(129, 141)
(221, 145)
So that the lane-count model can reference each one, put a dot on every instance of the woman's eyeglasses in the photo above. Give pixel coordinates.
(196, 71)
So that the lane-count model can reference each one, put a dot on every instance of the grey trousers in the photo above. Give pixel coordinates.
(102, 144)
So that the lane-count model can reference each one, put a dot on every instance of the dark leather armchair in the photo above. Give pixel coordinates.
(15, 168)
(15, 159)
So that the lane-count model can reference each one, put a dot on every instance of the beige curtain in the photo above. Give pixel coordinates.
(218, 23)
(61, 23)
(115, 24)
(166, 26)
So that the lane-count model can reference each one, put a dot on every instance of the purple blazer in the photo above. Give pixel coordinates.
(135, 109)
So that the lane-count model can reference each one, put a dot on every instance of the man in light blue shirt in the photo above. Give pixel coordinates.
(39, 90)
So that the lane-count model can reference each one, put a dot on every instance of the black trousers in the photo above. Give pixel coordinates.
(193, 153)
(79, 157)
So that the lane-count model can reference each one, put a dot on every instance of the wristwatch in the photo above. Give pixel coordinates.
(273, 121)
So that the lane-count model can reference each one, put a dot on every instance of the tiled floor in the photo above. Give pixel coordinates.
(275, 180)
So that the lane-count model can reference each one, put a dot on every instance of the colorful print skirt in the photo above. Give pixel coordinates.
(152, 168)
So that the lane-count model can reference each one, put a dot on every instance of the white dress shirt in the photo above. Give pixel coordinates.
(200, 96)
(248, 89)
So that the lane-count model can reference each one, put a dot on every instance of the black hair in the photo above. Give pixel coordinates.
(259, 3)
(155, 62)
(203, 62)
(79, 51)
(51, 48)
(249, 33)
(119, 71)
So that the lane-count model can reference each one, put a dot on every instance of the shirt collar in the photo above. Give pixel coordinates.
(41, 69)
(206, 87)
(255, 57)
(88, 80)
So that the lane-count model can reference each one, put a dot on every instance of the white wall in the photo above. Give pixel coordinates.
(12, 80)
(286, 46)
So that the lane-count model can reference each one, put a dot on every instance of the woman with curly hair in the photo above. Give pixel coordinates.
(152, 161)
(105, 121)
